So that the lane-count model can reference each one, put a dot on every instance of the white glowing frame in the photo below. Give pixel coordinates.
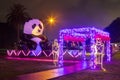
(24, 53)
(90, 32)
(74, 55)
(28, 53)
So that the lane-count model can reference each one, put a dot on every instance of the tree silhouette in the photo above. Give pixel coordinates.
(17, 17)
(114, 30)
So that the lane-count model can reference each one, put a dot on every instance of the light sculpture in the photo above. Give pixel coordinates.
(76, 35)
(81, 34)
(32, 37)
(55, 51)
(99, 53)
(34, 28)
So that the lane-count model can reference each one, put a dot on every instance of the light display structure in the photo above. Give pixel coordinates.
(55, 51)
(81, 34)
(34, 29)
(33, 32)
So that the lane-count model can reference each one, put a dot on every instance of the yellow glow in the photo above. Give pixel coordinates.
(51, 20)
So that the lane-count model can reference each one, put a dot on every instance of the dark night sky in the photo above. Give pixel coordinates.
(69, 13)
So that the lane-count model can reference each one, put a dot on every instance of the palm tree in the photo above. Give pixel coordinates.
(17, 17)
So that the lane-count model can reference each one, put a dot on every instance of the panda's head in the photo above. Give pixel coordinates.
(34, 27)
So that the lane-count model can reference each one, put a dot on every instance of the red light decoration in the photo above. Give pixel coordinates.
(102, 37)
(73, 38)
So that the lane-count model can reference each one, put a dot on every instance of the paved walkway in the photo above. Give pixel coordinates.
(48, 74)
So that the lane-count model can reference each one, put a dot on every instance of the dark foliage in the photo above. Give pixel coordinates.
(16, 18)
(7, 36)
(114, 30)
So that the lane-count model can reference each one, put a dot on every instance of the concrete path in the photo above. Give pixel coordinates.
(48, 74)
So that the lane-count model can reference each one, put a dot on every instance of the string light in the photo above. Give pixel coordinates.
(78, 35)
(83, 33)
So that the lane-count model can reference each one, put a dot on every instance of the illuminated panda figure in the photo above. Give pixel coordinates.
(33, 30)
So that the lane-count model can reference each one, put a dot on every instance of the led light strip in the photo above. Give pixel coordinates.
(91, 33)
(29, 52)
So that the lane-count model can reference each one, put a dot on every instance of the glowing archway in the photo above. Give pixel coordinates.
(81, 34)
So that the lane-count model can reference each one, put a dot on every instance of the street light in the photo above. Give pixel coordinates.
(51, 20)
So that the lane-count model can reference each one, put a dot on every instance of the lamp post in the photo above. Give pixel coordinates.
(51, 20)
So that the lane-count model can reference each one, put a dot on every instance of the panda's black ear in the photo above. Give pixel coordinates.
(33, 26)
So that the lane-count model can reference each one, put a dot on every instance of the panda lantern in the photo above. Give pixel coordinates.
(33, 30)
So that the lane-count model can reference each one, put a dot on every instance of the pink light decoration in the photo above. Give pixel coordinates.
(73, 38)
(104, 38)
(11, 52)
(35, 59)
(24, 53)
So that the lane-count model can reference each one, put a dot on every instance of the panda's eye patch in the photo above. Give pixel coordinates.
(33, 26)
(40, 26)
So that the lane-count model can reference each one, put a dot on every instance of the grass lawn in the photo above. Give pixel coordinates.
(10, 68)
